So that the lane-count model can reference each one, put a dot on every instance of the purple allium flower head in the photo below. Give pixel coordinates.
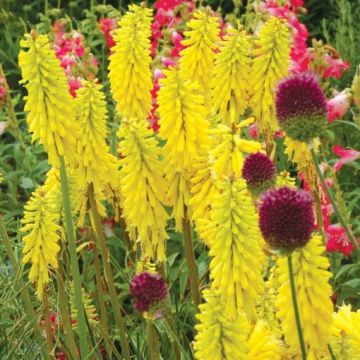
(259, 173)
(286, 217)
(301, 107)
(148, 289)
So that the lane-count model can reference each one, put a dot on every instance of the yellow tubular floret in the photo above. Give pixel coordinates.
(143, 187)
(235, 245)
(197, 59)
(184, 126)
(262, 343)
(218, 336)
(229, 85)
(228, 155)
(40, 222)
(345, 340)
(271, 62)
(311, 276)
(50, 107)
(129, 68)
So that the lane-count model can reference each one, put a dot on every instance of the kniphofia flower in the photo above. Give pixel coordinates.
(197, 59)
(311, 276)
(41, 224)
(51, 113)
(143, 187)
(129, 68)
(229, 90)
(235, 245)
(272, 59)
(219, 337)
(184, 126)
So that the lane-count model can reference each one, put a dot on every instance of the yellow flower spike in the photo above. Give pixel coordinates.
(197, 59)
(143, 187)
(129, 69)
(313, 291)
(184, 126)
(202, 189)
(218, 336)
(50, 107)
(228, 154)
(262, 343)
(345, 341)
(97, 167)
(229, 84)
(40, 222)
(299, 153)
(271, 62)
(235, 245)
(89, 307)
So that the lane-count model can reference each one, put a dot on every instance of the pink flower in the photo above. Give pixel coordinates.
(107, 25)
(2, 91)
(177, 39)
(346, 156)
(253, 131)
(74, 83)
(168, 62)
(335, 67)
(337, 240)
(338, 106)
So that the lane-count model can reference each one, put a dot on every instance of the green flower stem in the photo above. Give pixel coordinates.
(333, 357)
(49, 337)
(337, 211)
(108, 273)
(296, 309)
(70, 231)
(65, 313)
(101, 296)
(153, 341)
(24, 293)
(191, 261)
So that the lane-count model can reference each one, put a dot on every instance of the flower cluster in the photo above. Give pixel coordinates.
(149, 291)
(78, 62)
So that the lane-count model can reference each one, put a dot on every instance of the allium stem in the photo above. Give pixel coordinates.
(153, 341)
(191, 261)
(337, 211)
(25, 296)
(108, 273)
(65, 314)
(70, 231)
(296, 309)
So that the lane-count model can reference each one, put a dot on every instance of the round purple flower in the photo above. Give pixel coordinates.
(286, 217)
(301, 107)
(149, 290)
(259, 173)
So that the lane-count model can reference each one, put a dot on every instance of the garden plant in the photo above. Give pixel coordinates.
(180, 180)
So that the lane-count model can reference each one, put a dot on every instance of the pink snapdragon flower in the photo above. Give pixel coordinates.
(337, 240)
(345, 156)
(107, 25)
(338, 106)
(335, 67)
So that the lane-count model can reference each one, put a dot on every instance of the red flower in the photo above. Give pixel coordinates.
(346, 156)
(337, 240)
